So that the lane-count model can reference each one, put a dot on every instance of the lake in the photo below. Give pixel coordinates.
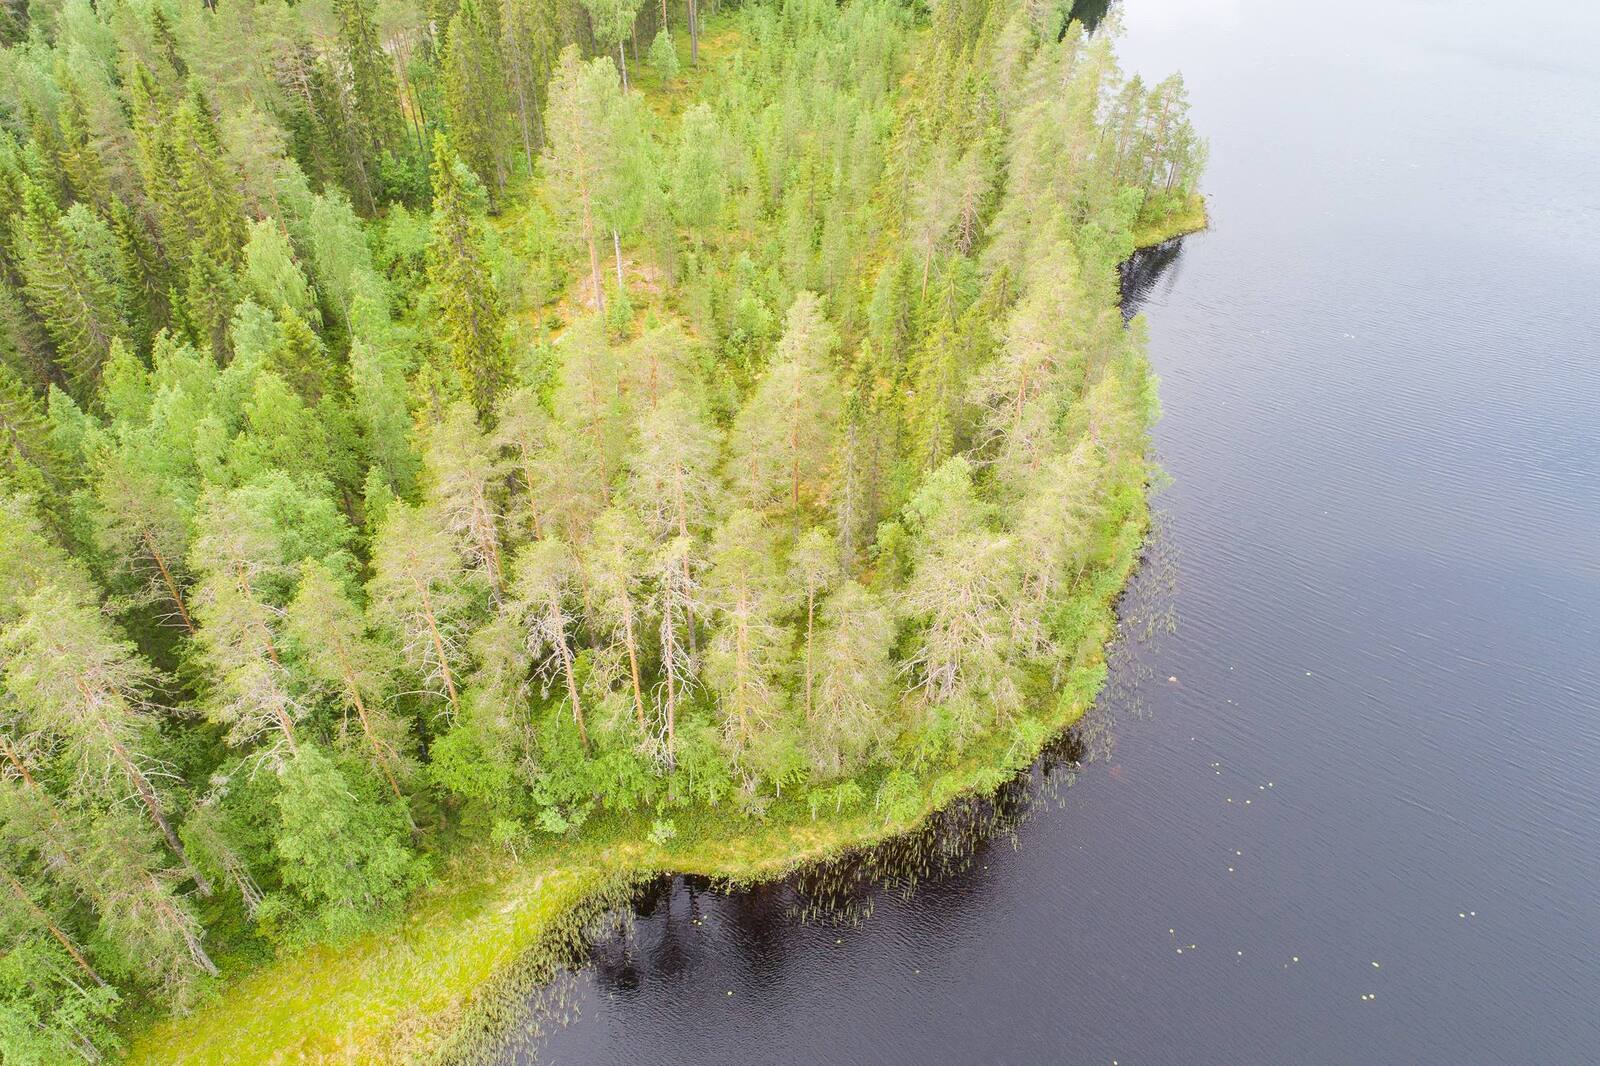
(1347, 810)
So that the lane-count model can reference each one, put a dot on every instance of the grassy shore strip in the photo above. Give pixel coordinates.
(431, 988)
(436, 987)
(1190, 218)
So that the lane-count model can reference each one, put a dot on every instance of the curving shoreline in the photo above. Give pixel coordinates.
(442, 985)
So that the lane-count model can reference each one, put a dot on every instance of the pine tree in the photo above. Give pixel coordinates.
(749, 652)
(673, 467)
(142, 528)
(1054, 525)
(962, 583)
(76, 679)
(813, 568)
(783, 439)
(330, 634)
(468, 300)
(420, 592)
(590, 403)
(582, 96)
(239, 557)
(522, 427)
(615, 564)
(544, 593)
(462, 481)
(849, 718)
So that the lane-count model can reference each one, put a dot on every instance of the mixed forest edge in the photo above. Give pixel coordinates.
(430, 511)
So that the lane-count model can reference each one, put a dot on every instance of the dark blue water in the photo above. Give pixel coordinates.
(1380, 740)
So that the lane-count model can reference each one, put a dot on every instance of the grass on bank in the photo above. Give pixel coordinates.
(1188, 217)
(425, 989)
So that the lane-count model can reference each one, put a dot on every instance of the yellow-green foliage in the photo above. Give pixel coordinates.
(1189, 217)
(444, 982)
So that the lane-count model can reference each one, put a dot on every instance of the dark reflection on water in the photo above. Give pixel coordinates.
(1090, 12)
(682, 931)
(1145, 270)
(1375, 736)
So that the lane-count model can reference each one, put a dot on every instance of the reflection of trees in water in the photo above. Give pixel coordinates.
(942, 862)
(1090, 12)
(1141, 271)
(752, 934)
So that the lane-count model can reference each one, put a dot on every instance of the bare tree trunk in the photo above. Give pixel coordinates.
(148, 795)
(633, 658)
(694, 32)
(55, 930)
(167, 579)
(572, 692)
(379, 750)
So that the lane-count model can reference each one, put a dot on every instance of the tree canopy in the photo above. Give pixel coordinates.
(427, 427)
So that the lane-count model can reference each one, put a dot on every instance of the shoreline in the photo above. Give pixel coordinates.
(1192, 217)
(439, 985)
(433, 984)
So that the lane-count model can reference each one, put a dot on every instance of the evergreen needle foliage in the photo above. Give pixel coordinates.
(572, 437)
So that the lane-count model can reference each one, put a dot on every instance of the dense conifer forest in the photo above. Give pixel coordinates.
(450, 425)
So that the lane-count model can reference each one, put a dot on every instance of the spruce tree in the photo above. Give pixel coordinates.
(377, 104)
(471, 320)
(68, 287)
(474, 85)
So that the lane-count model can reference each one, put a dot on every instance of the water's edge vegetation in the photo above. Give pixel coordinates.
(460, 462)
(496, 926)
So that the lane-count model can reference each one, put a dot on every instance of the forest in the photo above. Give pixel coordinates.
(447, 425)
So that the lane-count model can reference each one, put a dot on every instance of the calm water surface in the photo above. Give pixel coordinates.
(1374, 736)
